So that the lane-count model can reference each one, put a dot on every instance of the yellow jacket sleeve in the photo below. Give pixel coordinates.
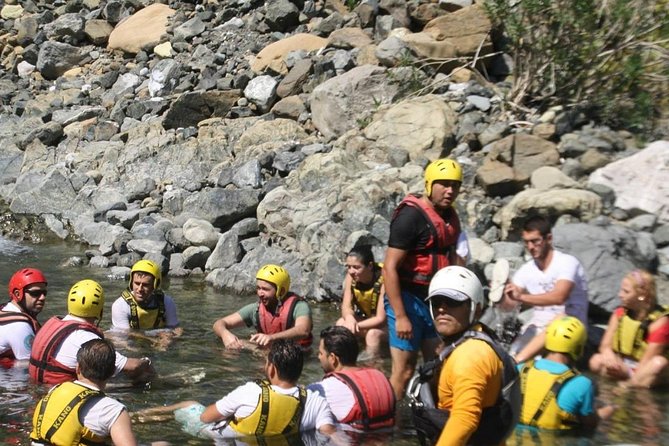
(470, 380)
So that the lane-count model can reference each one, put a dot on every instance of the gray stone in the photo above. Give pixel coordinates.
(661, 235)
(192, 107)
(164, 77)
(55, 58)
(189, 29)
(505, 250)
(281, 15)
(221, 207)
(195, 257)
(480, 102)
(391, 51)
(645, 222)
(261, 91)
(648, 171)
(200, 232)
(67, 27)
(547, 177)
(248, 175)
(145, 246)
(227, 251)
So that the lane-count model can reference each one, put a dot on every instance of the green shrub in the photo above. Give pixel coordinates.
(610, 57)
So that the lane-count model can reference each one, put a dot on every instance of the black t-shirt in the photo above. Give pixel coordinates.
(409, 230)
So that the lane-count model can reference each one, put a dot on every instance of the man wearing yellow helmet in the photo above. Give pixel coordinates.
(278, 314)
(143, 305)
(425, 236)
(54, 354)
(555, 395)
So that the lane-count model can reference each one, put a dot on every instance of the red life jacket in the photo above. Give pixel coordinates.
(7, 358)
(420, 265)
(43, 366)
(374, 406)
(268, 323)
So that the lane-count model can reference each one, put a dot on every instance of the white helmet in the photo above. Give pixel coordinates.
(458, 283)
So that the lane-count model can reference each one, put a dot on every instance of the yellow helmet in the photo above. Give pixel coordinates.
(566, 335)
(441, 169)
(148, 267)
(86, 299)
(277, 276)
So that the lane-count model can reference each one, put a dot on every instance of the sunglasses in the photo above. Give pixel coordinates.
(36, 293)
(443, 301)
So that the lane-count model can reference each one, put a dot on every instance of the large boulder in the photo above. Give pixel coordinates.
(346, 101)
(142, 30)
(221, 207)
(419, 125)
(640, 181)
(583, 204)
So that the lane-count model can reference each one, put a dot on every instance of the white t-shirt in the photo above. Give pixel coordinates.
(100, 414)
(242, 401)
(535, 281)
(16, 336)
(121, 313)
(339, 396)
(66, 354)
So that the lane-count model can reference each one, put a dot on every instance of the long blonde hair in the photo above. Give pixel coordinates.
(644, 284)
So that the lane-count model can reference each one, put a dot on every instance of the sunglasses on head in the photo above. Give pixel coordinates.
(444, 301)
(36, 293)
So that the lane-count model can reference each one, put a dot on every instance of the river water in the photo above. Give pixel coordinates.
(197, 367)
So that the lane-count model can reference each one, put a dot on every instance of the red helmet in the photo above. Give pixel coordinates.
(23, 278)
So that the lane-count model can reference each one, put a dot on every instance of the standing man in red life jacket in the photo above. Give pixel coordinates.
(278, 314)
(18, 317)
(361, 397)
(425, 236)
(53, 359)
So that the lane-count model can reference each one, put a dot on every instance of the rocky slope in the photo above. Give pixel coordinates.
(216, 136)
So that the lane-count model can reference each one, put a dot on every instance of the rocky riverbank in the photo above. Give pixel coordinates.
(216, 136)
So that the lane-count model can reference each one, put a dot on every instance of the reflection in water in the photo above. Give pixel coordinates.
(195, 366)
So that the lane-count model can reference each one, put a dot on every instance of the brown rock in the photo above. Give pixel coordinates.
(497, 178)
(291, 108)
(367, 56)
(98, 31)
(348, 38)
(144, 29)
(271, 57)
(525, 153)
(292, 83)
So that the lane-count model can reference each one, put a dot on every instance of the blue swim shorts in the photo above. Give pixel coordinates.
(421, 321)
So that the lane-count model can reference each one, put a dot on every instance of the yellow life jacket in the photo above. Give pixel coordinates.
(366, 298)
(146, 318)
(275, 413)
(540, 407)
(56, 419)
(629, 338)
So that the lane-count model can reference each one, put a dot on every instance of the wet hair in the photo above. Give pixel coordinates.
(362, 253)
(288, 359)
(97, 359)
(643, 283)
(341, 342)
(538, 223)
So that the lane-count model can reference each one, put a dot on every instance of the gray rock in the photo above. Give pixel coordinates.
(98, 262)
(648, 171)
(548, 177)
(506, 250)
(227, 251)
(248, 175)
(195, 257)
(164, 77)
(261, 91)
(340, 103)
(189, 29)
(221, 207)
(645, 222)
(55, 58)
(67, 27)
(281, 15)
(480, 102)
(661, 235)
(192, 107)
(287, 161)
(200, 232)
(391, 51)
(146, 246)
(53, 195)
(296, 77)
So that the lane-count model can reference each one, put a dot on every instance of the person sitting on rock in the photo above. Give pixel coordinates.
(92, 417)
(53, 359)
(272, 406)
(360, 397)
(555, 395)
(278, 313)
(18, 317)
(634, 346)
(362, 310)
(553, 283)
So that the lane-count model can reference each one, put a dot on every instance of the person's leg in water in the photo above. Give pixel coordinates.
(160, 413)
